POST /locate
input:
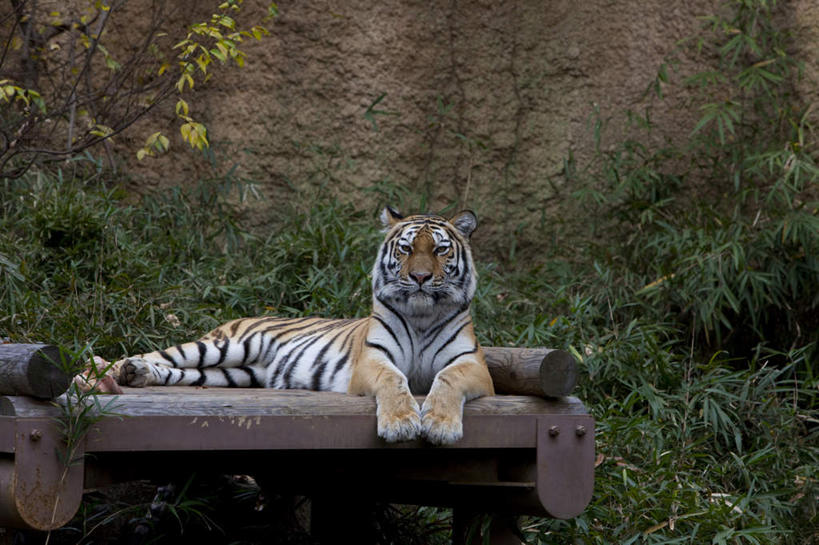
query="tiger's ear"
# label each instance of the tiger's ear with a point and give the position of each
(390, 216)
(465, 222)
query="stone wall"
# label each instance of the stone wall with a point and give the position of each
(483, 100)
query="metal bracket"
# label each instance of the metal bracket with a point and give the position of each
(565, 464)
(36, 489)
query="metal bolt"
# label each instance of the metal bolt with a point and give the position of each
(580, 431)
(35, 435)
(554, 431)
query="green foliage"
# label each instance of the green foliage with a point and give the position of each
(695, 316)
(692, 449)
(80, 264)
(690, 297)
(720, 230)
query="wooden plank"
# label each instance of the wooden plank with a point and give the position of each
(340, 432)
(189, 418)
(197, 401)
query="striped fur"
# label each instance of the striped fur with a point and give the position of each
(419, 339)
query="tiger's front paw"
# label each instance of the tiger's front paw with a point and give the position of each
(399, 419)
(134, 372)
(441, 425)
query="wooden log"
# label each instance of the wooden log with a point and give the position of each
(27, 369)
(531, 371)
(32, 370)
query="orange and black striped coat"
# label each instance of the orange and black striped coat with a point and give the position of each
(418, 339)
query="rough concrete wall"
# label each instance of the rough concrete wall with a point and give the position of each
(485, 99)
(803, 18)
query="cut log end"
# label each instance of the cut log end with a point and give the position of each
(531, 371)
(558, 373)
(32, 370)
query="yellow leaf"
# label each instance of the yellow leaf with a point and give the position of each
(202, 61)
(218, 54)
(101, 130)
(182, 106)
(180, 85)
(195, 134)
(227, 22)
(760, 64)
(656, 527)
(164, 67)
(201, 136)
(656, 283)
(258, 32)
(151, 139)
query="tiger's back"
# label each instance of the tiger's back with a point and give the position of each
(418, 339)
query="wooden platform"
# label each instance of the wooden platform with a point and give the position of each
(519, 454)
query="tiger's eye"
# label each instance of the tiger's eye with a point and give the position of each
(442, 250)
(405, 248)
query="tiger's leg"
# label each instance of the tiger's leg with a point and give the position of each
(138, 372)
(454, 385)
(397, 411)
(181, 364)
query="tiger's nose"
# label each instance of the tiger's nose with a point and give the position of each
(420, 276)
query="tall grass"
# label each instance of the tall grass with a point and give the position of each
(80, 265)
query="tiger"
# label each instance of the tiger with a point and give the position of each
(418, 339)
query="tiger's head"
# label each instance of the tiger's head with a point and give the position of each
(424, 265)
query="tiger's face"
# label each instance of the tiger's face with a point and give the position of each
(425, 264)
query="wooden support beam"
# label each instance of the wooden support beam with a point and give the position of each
(32, 370)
